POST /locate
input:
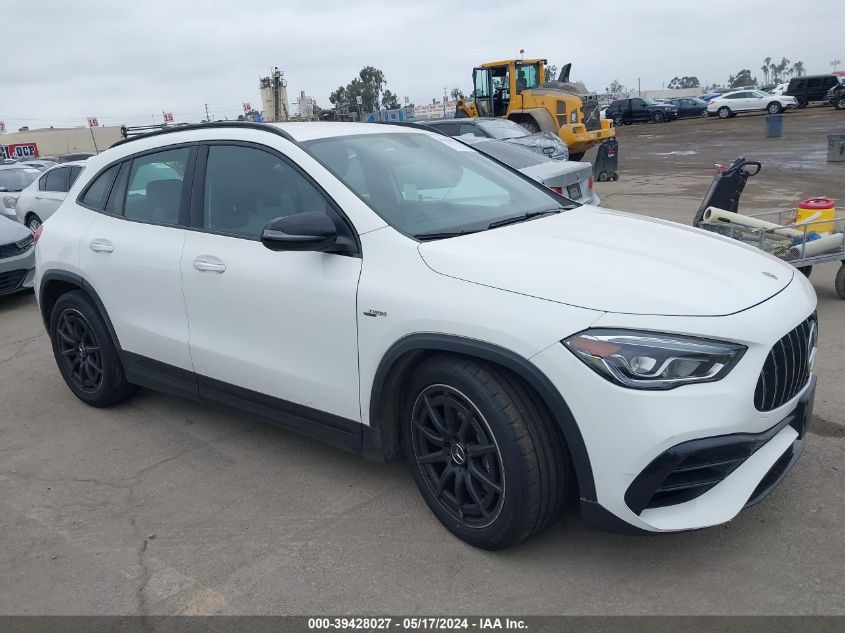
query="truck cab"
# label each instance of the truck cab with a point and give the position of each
(518, 90)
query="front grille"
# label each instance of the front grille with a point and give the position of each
(787, 368)
(11, 280)
(592, 117)
(15, 248)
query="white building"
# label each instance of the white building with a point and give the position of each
(306, 107)
(436, 110)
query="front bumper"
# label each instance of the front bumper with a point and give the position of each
(17, 273)
(578, 139)
(625, 431)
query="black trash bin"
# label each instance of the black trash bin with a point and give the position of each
(727, 187)
(607, 161)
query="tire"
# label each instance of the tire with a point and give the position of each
(617, 120)
(615, 177)
(33, 222)
(839, 103)
(576, 155)
(704, 114)
(603, 177)
(724, 112)
(774, 108)
(802, 102)
(839, 284)
(457, 406)
(806, 270)
(85, 353)
(658, 117)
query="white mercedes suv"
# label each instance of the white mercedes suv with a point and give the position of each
(389, 289)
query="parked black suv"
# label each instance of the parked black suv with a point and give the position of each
(810, 88)
(836, 96)
(638, 109)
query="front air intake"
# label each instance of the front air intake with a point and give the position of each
(787, 368)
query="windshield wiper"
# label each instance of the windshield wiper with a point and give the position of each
(523, 218)
(443, 235)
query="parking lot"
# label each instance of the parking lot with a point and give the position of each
(162, 505)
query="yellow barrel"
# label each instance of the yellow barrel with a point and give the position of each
(820, 211)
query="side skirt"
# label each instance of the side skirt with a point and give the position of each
(325, 427)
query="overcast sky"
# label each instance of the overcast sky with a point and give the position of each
(127, 61)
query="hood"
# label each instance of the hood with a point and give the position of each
(543, 141)
(11, 231)
(614, 262)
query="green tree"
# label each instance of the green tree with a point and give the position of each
(766, 68)
(551, 72)
(367, 85)
(798, 69)
(455, 93)
(684, 82)
(615, 88)
(389, 101)
(779, 70)
(741, 79)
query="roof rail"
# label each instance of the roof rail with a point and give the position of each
(204, 126)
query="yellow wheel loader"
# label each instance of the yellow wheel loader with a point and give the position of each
(517, 89)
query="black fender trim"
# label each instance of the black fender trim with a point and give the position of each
(521, 366)
(597, 517)
(82, 284)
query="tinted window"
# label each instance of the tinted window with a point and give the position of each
(447, 128)
(155, 186)
(246, 187)
(117, 196)
(57, 180)
(813, 83)
(42, 183)
(95, 195)
(74, 174)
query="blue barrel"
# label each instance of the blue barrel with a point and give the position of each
(774, 125)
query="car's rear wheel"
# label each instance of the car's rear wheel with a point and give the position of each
(85, 354)
(658, 117)
(617, 120)
(33, 222)
(724, 112)
(774, 108)
(839, 103)
(802, 102)
(484, 454)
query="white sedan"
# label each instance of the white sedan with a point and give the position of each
(732, 103)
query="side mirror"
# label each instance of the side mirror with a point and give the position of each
(310, 231)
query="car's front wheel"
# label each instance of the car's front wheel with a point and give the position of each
(774, 108)
(658, 117)
(724, 112)
(84, 351)
(485, 455)
(617, 120)
(801, 102)
(839, 103)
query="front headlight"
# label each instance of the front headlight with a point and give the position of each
(650, 360)
(10, 202)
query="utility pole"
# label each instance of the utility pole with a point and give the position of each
(207, 117)
(444, 100)
(639, 88)
(835, 63)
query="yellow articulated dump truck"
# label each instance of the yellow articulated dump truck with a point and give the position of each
(517, 89)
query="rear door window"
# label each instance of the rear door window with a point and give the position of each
(154, 192)
(96, 193)
(57, 180)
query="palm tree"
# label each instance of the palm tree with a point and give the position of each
(798, 68)
(781, 68)
(766, 67)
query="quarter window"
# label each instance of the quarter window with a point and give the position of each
(154, 193)
(247, 187)
(95, 195)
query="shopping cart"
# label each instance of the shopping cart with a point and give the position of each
(802, 244)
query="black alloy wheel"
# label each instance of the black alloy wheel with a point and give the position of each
(458, 456)
(80, 350)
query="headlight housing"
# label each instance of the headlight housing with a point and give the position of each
(651, 360)
(10, 202)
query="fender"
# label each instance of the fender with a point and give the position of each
(521, 366)
(542, 116)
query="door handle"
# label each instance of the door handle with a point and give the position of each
(101, 246)
(210, 265)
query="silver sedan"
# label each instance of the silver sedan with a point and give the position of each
(17, 257)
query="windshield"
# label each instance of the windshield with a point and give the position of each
(17, 179)
(650, 102)
(425, 184)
